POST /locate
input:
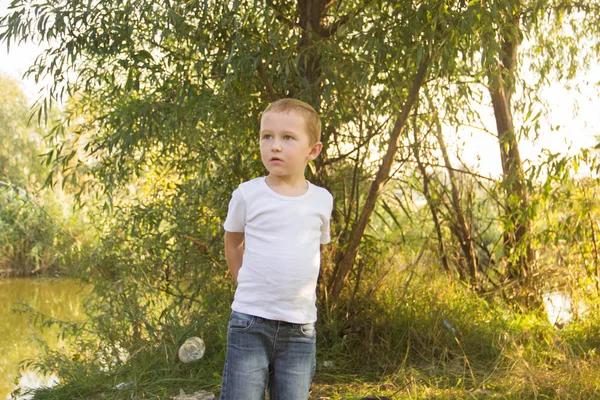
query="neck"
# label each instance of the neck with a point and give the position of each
(287, 186)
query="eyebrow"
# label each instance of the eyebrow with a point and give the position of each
(283, 132)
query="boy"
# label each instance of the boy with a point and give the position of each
(273, 232)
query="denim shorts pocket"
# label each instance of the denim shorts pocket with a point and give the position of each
(308, 330)
(240, 321)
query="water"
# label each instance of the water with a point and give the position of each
(558, 307)
(57, 298)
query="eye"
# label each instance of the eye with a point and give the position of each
(287, 137)
(266, 136)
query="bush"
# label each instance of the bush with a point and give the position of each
(35, 236)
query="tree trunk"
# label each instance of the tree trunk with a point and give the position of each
(517, 224)
(381, 178)
(433, 206)
(311, 14)
(462, 230)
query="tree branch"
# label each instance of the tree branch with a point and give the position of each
(360, 145)
(377, 185)
(262, 72)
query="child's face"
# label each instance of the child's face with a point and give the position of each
(285, 146)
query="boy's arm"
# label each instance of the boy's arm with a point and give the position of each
(234, 252)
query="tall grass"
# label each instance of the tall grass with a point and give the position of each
(440, 341)
(436, 340)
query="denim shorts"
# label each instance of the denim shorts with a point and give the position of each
(268, 355)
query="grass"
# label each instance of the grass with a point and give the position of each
(436, 340)
(443, 342)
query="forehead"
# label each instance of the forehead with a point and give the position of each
(288, 121)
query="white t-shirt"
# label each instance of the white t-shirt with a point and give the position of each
(282, 257)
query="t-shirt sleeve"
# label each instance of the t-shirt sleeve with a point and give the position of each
(325, 228)
(236, 214)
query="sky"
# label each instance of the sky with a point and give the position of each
(573, 113)
(18, 60)
(479, 150)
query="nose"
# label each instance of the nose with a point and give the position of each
(276, 146)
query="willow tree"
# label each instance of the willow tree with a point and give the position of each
(182, 94)
(553, 31)
(514, 48)
(174, 101)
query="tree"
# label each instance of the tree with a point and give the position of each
(20, 142)
(505, 25)
(183, 94)
(37, 235)
(162, 91)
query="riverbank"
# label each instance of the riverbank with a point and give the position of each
(46, 271)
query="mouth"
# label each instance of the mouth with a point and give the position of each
(276, 159)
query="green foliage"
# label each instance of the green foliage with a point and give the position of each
(27, 233)
(20, 142)
(417, 335)
(423, 336)
(157, 279)
(38, 233)
(37, 236)
(182, 94)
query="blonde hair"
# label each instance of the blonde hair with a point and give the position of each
(311, 118)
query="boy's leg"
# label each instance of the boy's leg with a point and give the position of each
(247, 360)
(294, 363)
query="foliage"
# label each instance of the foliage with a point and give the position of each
(156, 282)
(20, 142)
(567, 223)
(182, 94)
(38, 233)
(27, 233)
(185, 91)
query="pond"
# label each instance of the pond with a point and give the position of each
(56, 298)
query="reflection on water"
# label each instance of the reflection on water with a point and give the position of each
(32, 380)
(561, 309)
(57, 298)
(558, 307)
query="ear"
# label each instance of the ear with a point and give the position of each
(315, 151)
